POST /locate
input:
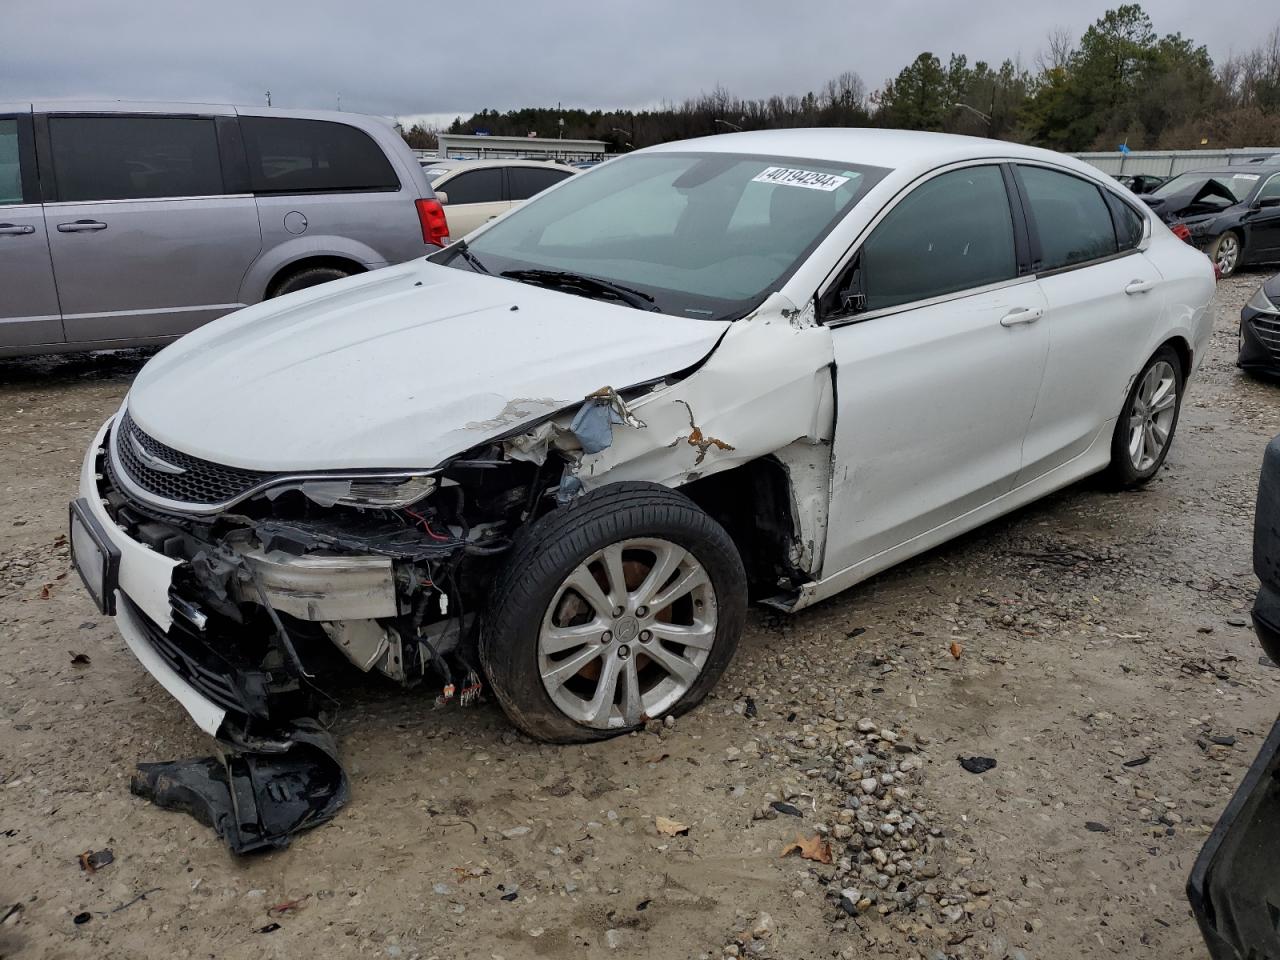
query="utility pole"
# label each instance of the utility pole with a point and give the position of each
(268, 98)
(339, 103)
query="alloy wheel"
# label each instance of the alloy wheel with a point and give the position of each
(627, 633)
(1227, 254)
(1151, 417)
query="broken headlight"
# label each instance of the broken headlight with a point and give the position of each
(1261, 302)
(388, 494)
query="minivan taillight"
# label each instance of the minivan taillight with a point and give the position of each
(435, 227)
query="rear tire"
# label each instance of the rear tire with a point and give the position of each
(653, 568)
(1145, 428)
(310, 277)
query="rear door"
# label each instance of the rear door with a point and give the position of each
(1104, 300)
(475, 197)
(150, 236)
(525, 182)
(29, 313)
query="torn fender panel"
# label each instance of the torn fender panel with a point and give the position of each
(766, 386)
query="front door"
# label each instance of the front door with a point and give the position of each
(937, 366)
(29, 313)
(1264, 223)
(147, 241)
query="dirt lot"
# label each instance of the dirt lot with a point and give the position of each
(1094, 628)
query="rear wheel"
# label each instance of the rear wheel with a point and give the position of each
(621, 608)
(308, 277)
(1226, 252)
(1145, 429)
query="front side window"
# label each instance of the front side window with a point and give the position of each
(10, 170)
(134, 158)
(1071, 218)
(952, 233)
(668, 225)
(474, 186)
(1272, 189)
(313, 156)
(526, 181)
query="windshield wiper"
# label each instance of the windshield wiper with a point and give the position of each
(583, 285)
(462, 250)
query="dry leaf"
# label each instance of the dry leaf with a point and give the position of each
(79, 659)
(815, 848)
(657, 758)
(956, 649)
(673, 828)
(46, 591)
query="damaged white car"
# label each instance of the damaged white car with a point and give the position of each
(555, 462)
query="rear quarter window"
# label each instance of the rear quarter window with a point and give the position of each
(313, 156)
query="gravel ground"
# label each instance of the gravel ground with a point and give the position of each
(1094, 645)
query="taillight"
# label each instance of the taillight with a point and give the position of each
(435, 227)
(1182, 232)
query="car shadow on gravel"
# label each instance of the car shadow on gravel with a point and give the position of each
(67, 369)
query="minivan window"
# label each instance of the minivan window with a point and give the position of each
(10, 172)
(524, 182)
(475, 186)
(313, 156)
(134, 158)
(1071, 217)
(952, 233)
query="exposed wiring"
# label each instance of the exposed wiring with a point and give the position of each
(422, 521)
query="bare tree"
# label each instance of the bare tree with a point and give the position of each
(1059, 46)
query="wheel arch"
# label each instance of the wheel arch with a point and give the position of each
(296, 267)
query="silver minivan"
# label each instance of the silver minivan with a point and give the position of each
(130, 224)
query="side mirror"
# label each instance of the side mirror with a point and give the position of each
(442, 197)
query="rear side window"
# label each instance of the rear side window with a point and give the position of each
(1129, 223)
(134, 158)
(1071, 218)
(10, 172)
(953, 233)
(474, 186)
(313, 156)
(524, 182)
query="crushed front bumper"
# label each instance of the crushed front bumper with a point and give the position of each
(143, 609)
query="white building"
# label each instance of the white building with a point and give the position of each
(471, 146)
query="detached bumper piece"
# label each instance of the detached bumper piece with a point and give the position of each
(254, 800)
(1234, 887)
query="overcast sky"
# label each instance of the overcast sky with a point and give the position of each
(410, 58)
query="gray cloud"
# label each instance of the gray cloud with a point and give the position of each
(409, 58)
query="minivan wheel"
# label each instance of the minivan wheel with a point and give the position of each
(1225, 252)
(1145, 429)
(310, 277)
(623, 607)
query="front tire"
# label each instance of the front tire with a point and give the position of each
(623, 607)
(1144, 431)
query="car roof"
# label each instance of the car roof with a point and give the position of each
(908, 152)
(191, 106)
(453, 165)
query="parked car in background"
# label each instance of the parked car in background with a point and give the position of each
(1260, 330)
(567, 450)
(1140, 182)
(1234, 887)
(130, 224)
(476, 191)
(1232, 214)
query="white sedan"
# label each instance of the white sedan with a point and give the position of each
(556, 461)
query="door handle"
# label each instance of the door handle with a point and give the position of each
(1138, 286)
(1020, 316)
(14, 228)
(81, 226)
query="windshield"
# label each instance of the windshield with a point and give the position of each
(701, 234)
(1236, 184)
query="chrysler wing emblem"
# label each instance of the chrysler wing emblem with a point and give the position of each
(151, 460)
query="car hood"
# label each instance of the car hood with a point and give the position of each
(399, 368)
(1192, 202)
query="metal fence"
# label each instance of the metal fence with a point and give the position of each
(1166, 163)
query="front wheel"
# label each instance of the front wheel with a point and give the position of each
(1226, 253)
(1145, 428)
(623, 607)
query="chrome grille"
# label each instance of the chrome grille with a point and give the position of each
(199, 482)
(1268, 330)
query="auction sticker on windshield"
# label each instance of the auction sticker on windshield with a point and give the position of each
(809, 179)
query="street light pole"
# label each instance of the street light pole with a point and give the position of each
(732, 126)
(977, 113)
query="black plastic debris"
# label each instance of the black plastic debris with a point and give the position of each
(1093, 826)
(94, 860)
(1223, 741)
(1137, 761)
(750, 710)
(82, 918)
(977, 764)
(791, 810)
(510, 896)
(269, 928)
(254, 800)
